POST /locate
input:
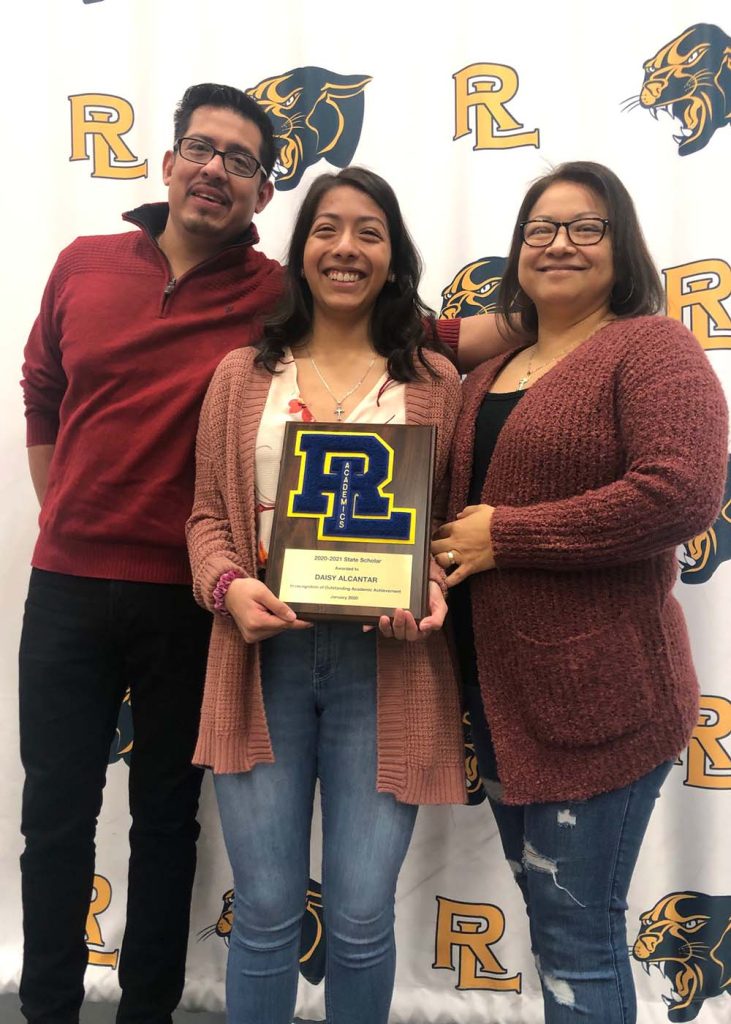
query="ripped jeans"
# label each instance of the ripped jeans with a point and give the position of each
(573, 862)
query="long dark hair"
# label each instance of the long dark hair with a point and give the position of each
(401, 324)
(637, 289)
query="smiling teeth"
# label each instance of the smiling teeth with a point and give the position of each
(341, 275)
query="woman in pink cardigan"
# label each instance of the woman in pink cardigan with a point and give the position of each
(374, 715)
(580, 462)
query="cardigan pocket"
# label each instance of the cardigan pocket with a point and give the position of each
(585, 690)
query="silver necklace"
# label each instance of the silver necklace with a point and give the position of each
(339, 410)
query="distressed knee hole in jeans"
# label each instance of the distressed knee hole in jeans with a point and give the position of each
(559, 989)
(535, 861)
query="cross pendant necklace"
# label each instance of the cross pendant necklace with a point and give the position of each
(339, 411)
(534, 369)
(531, 369)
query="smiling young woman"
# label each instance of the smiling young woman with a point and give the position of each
(286, 703)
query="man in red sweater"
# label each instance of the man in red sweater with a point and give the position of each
(130, 330)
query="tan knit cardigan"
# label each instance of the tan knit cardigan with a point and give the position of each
(420, 747)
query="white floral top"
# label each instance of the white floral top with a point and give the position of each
(384, 403)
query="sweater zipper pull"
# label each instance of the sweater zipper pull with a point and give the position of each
(166, 293)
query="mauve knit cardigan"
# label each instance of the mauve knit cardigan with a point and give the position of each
(420, 745)
(607, 463)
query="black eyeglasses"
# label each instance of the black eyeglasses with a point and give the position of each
(581, 231)
(235, 161)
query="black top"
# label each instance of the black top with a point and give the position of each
(491, 418)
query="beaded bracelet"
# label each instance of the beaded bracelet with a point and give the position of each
(221, 589)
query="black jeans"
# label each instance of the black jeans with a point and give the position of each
(84, 641)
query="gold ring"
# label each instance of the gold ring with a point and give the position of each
(450, 556)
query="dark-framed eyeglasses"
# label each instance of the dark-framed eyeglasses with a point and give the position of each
(581, 230)
(235, 161)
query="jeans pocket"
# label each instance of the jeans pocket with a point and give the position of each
(587, 689)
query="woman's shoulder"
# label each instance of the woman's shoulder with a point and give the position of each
(237, 364)
(653, 341)
(650, 331)
(441, 365)
(659, 359)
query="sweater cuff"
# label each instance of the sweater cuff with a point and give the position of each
(506, 536)
(448, 331)
(40, 429)
(207, 577)
(438, 576)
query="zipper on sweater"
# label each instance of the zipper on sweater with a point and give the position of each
(166, 293)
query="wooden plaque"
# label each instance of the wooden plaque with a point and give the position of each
(352, 523)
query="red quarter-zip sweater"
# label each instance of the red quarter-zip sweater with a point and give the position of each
(115, 371)
(116, 367)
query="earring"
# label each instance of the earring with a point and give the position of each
(391, 278)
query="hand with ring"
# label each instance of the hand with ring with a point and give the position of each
(464, 546)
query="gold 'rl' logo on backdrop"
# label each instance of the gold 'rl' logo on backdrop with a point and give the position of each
(101, 898)
(487, 89)
(470, 930)
(696, 293)
(104, 120)
(708, 764)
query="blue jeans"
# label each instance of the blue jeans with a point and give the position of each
(573, 861)
(320, 698)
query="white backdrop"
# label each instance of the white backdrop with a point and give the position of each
(461, 106)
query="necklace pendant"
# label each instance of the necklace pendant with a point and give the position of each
(339, 411)
(522, 383)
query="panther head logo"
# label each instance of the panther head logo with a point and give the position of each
(316, 115)
(687, 937)
(475, 790)
(222, 927)
(312, 937)
(121, 748)
(475, 288)
(312, 934)
(690, 78)
(702, 555)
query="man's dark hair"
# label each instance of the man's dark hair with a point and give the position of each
(637, 288)
(208, 94)
(401, 325)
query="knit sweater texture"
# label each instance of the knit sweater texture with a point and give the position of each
(420, 746)
(116, 367)
(608, 462)
(115, 371)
